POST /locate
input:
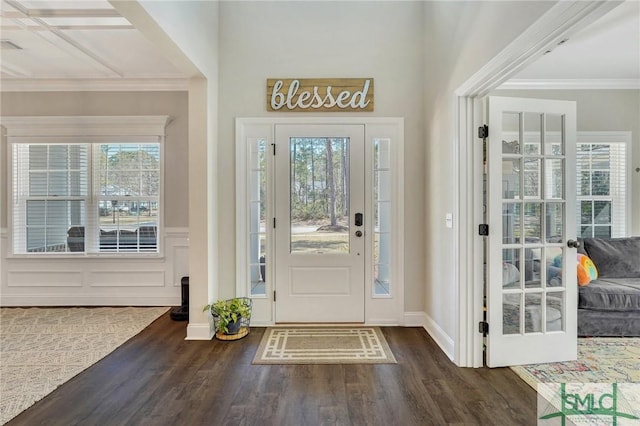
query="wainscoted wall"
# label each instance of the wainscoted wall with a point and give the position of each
(89, 281)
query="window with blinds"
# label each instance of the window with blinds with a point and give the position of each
(86, 198)
(602, 185)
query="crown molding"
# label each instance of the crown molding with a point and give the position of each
(94, 85)
(571, 84)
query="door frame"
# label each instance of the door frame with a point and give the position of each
(560, 21)
(379, 310)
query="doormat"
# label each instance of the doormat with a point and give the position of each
(324, 345)
(600, 360)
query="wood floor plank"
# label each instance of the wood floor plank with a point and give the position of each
(157, 378)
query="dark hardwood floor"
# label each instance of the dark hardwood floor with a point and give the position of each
(158, 378)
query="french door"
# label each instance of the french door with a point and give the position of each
(319, 223)
(531, 254)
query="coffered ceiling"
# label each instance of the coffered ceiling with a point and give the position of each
(77, 40)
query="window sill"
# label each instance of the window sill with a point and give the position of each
(89, 257)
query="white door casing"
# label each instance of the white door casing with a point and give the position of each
(532, 290)
(320, 269)
(383, 164)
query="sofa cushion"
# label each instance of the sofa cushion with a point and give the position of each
(616, 257)
(611, 294)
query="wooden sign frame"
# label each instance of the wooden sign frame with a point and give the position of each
(320, 94)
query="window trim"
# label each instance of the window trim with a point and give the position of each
(614, 137)
(83, 129)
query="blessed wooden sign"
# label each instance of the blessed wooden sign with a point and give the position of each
(322, 94)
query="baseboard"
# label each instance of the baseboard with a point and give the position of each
(442, 339)
(199, 332)
(65, 300)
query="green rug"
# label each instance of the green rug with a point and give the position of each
(600, 360)
(323, 345)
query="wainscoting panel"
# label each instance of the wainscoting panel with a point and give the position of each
(44, 279)
(126, 278)
(86, 280)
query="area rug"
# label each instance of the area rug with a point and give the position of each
(324, 345)
(600, 360)
(41, 348)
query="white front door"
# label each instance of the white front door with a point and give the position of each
(319, 223)
(532, 290)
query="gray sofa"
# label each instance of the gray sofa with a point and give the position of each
(610, 305)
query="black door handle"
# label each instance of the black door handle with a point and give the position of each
(358, 219)
(573, 244)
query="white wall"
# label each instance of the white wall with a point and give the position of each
(260, 40)
(460, 38)
(601, 110)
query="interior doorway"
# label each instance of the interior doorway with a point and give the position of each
(562, 20)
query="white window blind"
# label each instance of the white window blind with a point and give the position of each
(602, 185)
(50, 187)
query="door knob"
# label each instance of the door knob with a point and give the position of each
(573, 244)
(358, 233)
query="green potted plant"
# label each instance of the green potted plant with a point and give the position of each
(231, 317)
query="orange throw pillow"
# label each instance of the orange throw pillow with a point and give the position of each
(586, 270)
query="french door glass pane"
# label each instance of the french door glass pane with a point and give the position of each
(533, 222)
(554, 139)
(510, 270)
(533, 312)
(533, 133)
(511, 231)
(511, 178)
(553, 260)
(555, 308)
(554, 178)
(319, 195)
(554, 222)
(511, 313)
(511, 133)
(532, 178)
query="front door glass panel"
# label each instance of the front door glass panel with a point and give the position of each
(319, 195)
